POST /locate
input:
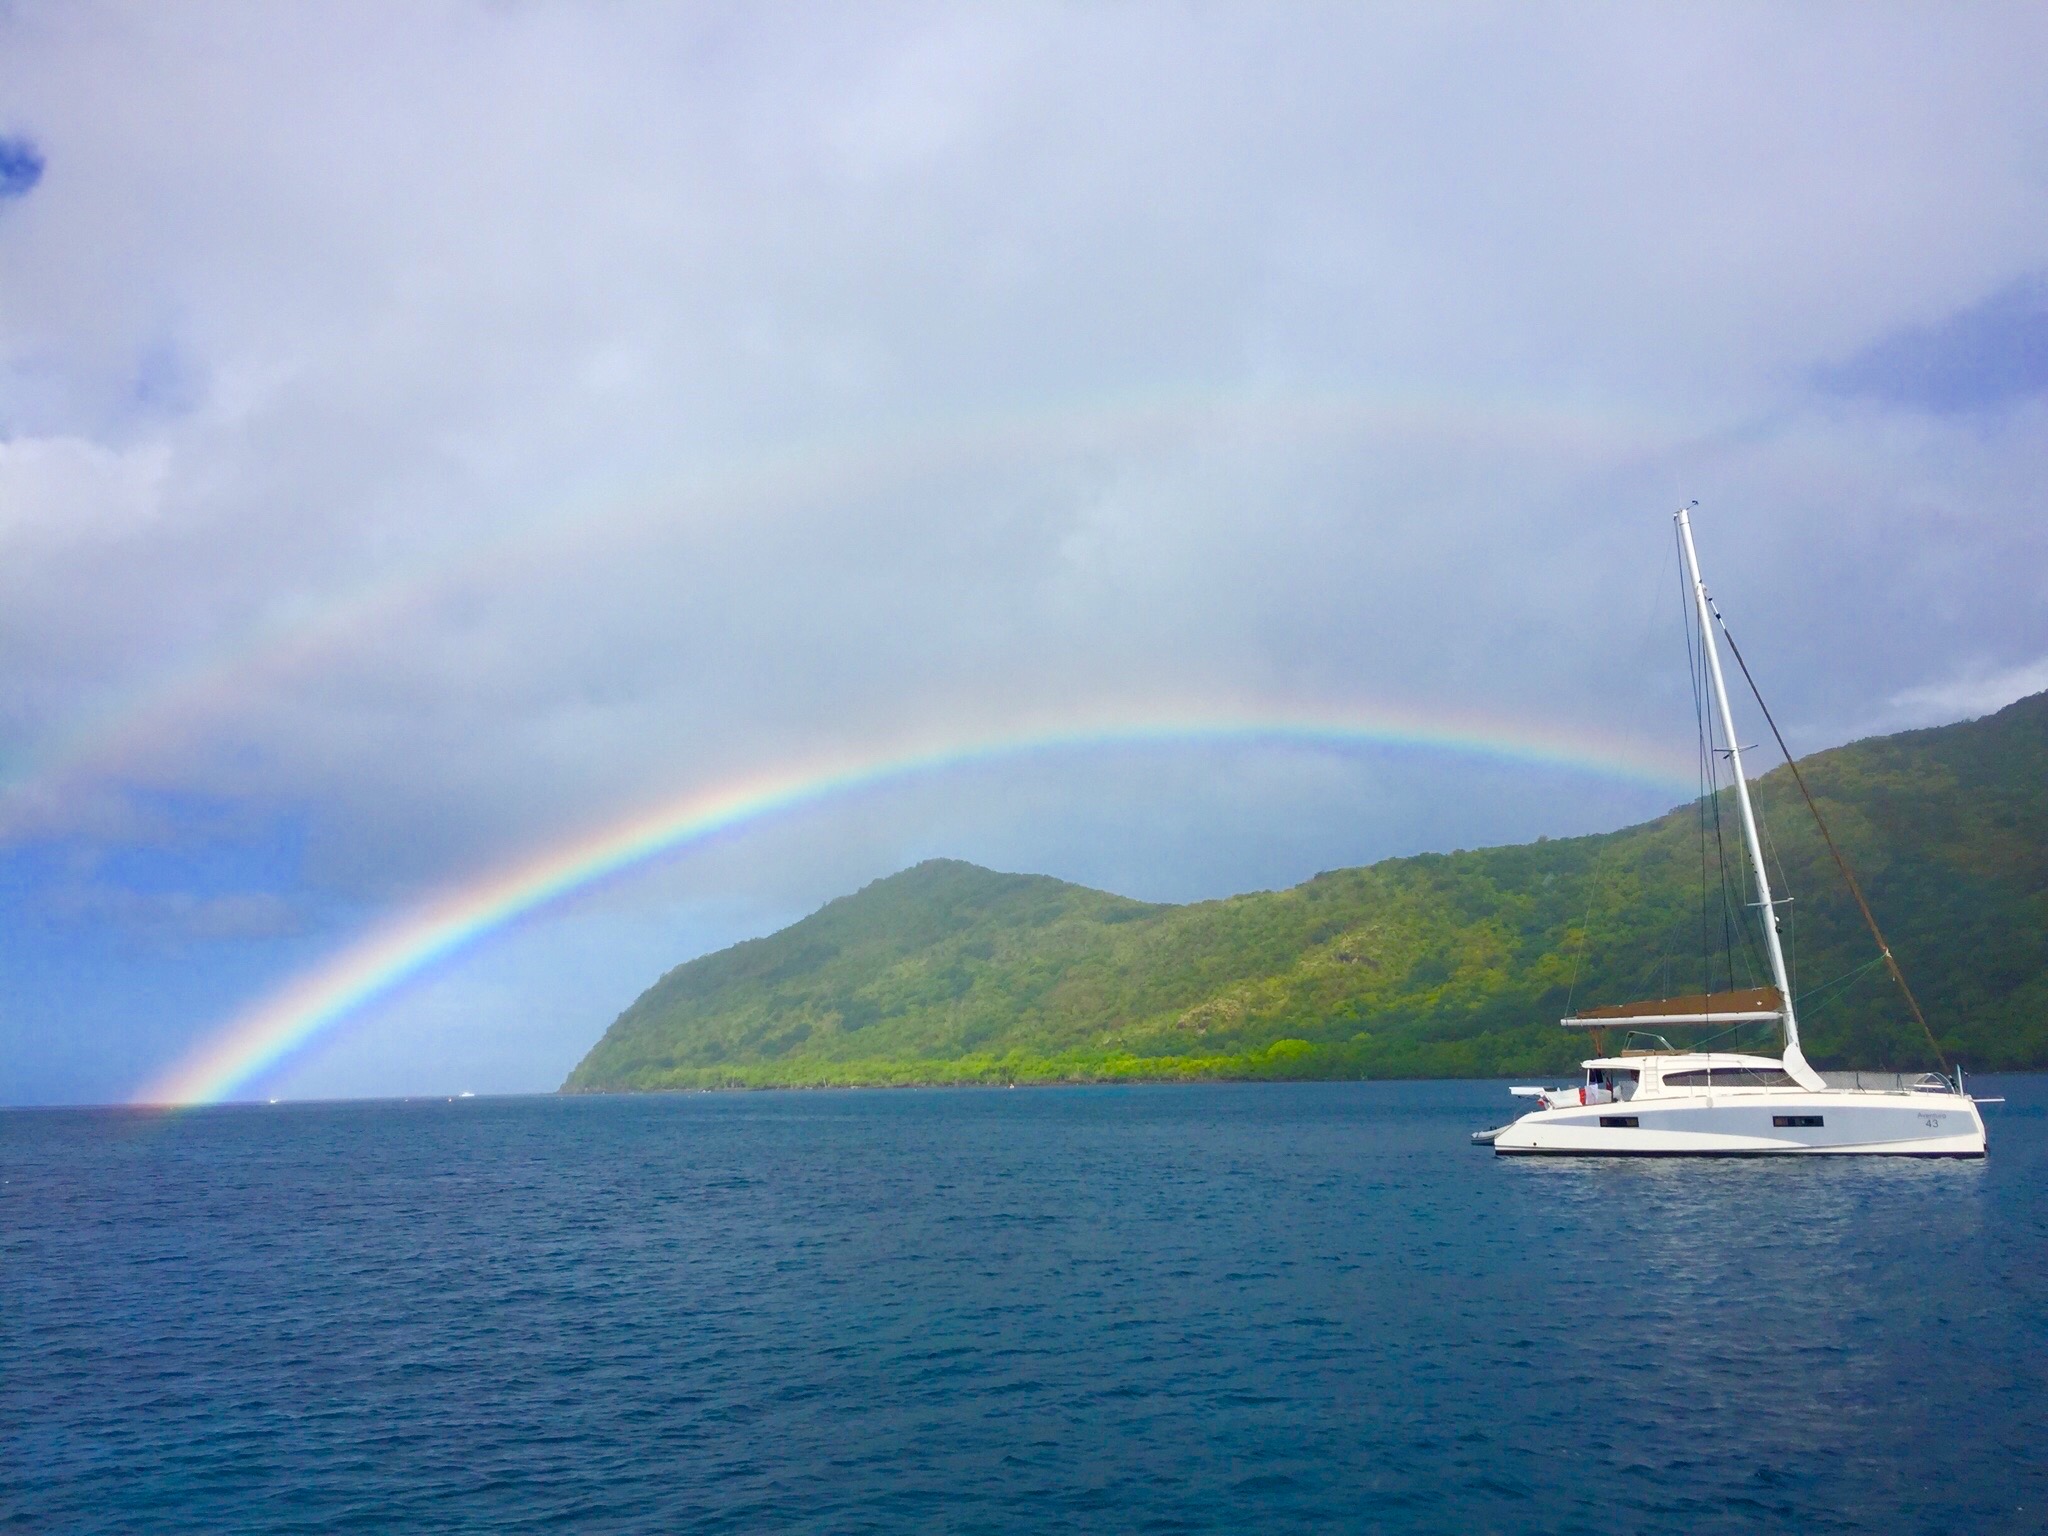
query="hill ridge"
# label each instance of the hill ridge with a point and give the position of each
(1438, 964)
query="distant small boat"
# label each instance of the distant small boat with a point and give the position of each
(1656, 1101)
(465, 1094)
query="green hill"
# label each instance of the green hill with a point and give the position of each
(1440, 965)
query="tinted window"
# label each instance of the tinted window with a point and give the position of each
(1729, 1077)
(1798, 1120)
(1620, 1121)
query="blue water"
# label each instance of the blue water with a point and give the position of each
(1233, 1308)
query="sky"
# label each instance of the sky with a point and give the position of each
(433, 434)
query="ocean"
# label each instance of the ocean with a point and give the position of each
(1229, 1308)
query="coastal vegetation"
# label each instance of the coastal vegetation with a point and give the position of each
(1441, 965)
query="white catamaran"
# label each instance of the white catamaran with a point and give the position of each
(1657, 1101)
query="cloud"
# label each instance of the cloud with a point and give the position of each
(447, 428)
(176, 916)
(1972, 695)
(63, 489)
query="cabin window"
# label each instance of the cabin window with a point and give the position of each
(1798, 1120)
(1729, 1077)
(1619, 1122)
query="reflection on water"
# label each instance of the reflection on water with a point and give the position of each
(1305, 1307)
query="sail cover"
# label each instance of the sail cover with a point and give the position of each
(1751, 1005)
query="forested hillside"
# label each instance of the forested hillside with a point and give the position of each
(1441, 965)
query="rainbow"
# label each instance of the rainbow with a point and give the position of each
(275, 1028)
(135, 725)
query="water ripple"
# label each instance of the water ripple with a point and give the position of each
(1182, 1309)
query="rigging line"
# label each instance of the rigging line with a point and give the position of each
(1840, 981)
(1719, 1034)
(1731, 900)
(1698, 728)
(1732, 921)
(1602, 861)
(1694, 663)
(1884, 950)
(1712, 769)
(1772, 852)
(1707, 731)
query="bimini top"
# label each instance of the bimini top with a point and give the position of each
(1753, 1005)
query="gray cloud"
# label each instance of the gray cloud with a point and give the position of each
(453, 426)
(1975, 693)
(176, 917)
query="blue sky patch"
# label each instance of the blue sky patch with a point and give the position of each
(1987, 355)
(21, 167)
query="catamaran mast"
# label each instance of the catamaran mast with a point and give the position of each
(1795, 1059)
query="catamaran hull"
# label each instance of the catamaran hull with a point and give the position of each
(1660, 1102)
(1762, 1125)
